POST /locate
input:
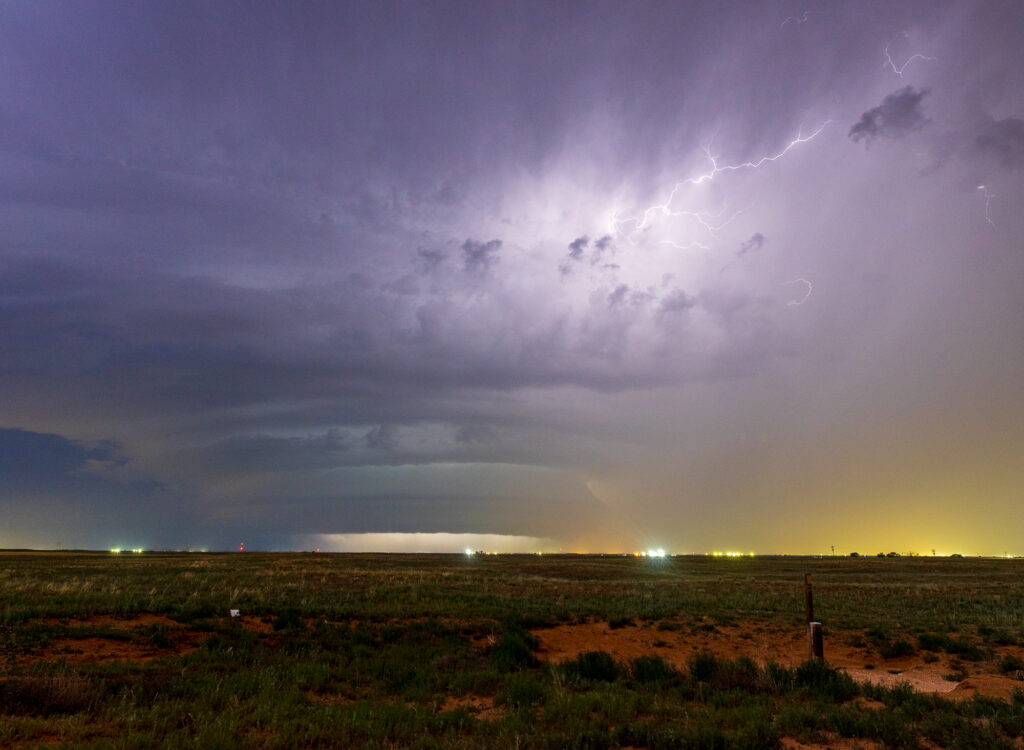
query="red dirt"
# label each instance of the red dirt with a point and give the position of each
(834, 743)
(96, 649)
(481, 708)
(111, 621)
(760, 642)
(764, 643)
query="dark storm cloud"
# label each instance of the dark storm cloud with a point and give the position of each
(601, 246)
(577, 246)
(677, 301)
(382, 438)
(474, 433)
(31, 458)
(191, 344)
(478, 257)
(897, 116)
(66, 486)
(431, 259)
(1002, 141)
(756, 242)
(618, 295)
(257, 245)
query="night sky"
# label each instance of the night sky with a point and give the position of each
(513, 276)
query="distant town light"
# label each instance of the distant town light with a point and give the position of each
(469, 552)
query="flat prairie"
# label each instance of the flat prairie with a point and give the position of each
(465, 651)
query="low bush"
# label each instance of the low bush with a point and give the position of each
(514, 649)
(704, 666)
(896, 649)
(592, 666)
(1011, 665)
(522, 690)
(931, 642)
(652, 669)
(288, 619)
(818, 678)
(43, 695)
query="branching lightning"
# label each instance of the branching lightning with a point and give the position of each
(798, 302)
(898, 70)
(706, 220)
(802, 18)
(988, 200)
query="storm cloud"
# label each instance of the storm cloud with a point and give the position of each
(324, 271)
(899, 114)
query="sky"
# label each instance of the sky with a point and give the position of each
(525, 276)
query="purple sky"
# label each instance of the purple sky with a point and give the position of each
(590, 276)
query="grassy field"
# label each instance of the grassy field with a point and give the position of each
(138, 650)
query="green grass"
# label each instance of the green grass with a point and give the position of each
(383, 651)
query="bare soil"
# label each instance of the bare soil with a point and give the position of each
(97, 649)
(677, 645)
(765, 643)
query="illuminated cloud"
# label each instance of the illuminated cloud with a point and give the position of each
(629, 289)
(496, 543)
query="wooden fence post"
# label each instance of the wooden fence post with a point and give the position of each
(815, 642)
(808, 598)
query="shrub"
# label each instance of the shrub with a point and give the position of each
(958, 673)
(1011, 664)
(1002, 638)
(42, 695)
(514, 649)
(821, 679)
(614, 623)
(522, 691)
(965, 649)
(896, 649)
(593, 666)
(931, 642)
(651, 669)
(778, 679)
(704, 666)
(288, 619)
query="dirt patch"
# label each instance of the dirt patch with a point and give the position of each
(996, 686)
(482, 708)
(113, 621)
(834, 743)
(124, 644)
(43, 738)
(764, 643)
(98, 651)
(330, 698)
(254, 623)
(676, 646)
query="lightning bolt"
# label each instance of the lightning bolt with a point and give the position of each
(988, 200)
(665, 208)
(899, 70)
(798, 302)
(797, 19)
